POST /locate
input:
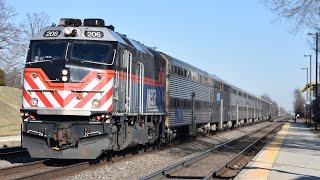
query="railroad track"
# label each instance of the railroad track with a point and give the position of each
(49, 169)
(10, 152)
(222, 161)
(46, 169)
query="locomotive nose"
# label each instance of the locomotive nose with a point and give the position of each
(83, 90)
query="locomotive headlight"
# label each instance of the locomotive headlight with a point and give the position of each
(95, 102)
(74, 32)
(66, 32)
(64, 78)
(34, 102)
(71, 32)
(64, 72)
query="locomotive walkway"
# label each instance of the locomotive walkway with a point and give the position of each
(293, 154)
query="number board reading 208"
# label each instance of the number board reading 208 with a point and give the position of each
(93, 34)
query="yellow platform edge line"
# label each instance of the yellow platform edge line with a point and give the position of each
(260, 169)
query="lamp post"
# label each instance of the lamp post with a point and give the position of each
(306, 93)
(316, 102)
(310, 84)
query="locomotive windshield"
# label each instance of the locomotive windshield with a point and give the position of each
(90, 52)
(48, 51)
(81, 51)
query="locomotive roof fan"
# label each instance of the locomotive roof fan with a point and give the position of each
(70, 22)
(94, 22)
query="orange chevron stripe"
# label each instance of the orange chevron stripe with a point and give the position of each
(67, 86)
(42, 97)
(108, 74)
(85, 100)
(105, 98)
(27, 97)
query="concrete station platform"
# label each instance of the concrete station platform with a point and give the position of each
(10, 141)
(294, 153)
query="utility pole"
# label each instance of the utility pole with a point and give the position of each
(316, 104)
(310, 105)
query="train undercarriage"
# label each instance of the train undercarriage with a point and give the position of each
(72, 137)
(69, 138)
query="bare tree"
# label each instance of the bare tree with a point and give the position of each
(275, 106)
(301, 13)
(11, 49)
(32, 24)
(298, 104)
(9, 38)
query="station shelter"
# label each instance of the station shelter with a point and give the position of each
(311, 98)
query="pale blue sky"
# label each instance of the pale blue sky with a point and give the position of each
(239, 41)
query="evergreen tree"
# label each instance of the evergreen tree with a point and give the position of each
(2, 78)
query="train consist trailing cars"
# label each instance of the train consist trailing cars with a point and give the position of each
(88, 90)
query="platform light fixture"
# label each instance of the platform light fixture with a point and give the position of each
(306, 91)
(310, 84)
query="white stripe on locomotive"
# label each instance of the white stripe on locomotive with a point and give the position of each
(89, 87)
(48, 95)
(33, 94)
(106, 89)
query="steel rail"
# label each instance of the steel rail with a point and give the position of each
(12, 151)
(57, 172)
(44, 171)
(19, 168)
(170, 169)
(221, 170)
(54, 172)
